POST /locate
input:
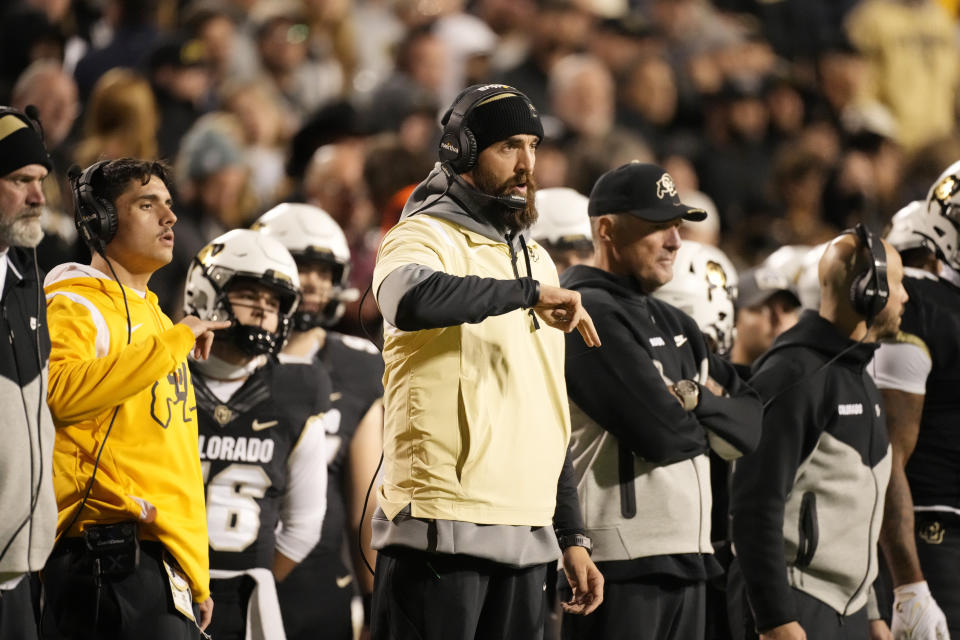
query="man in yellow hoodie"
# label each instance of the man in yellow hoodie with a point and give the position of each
(131, 557)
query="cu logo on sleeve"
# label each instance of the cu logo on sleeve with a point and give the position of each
(169, 397)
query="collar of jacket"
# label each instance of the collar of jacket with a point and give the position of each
(816, 332)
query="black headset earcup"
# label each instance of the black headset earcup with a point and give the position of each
(468, 151)
(108, 220)
(859, 298)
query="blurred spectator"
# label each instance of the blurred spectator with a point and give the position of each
(333, 35)
(265, 134)
(785, 103)
(133, 30)
(470, 44)
(334, 181)
(389, 167)
(53, 92)
(582, 99)
(798, 180)
(864, 185)
(619, 42)
(648, 100)
(45, 85)
(561, 27)
(230, 55)
(421, 71)
(283, 39)
(121, 119)
(912, 50)
(181, 85)
(735, 165)
(215, 195)
(26, 35)
(510, 20)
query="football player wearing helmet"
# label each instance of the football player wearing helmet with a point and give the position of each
(262, 444)
(354, 426)
(918, 373)
(563, 227)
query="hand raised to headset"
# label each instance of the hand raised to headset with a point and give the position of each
(203, 334)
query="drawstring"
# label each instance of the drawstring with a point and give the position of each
(526, 259)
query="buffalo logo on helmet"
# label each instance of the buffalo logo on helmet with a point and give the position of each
(946, 189)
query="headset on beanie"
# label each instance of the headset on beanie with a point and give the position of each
(458, 145)
(458, 150)
(95, 217)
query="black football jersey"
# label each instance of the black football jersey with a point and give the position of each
(356, 373)
(932, 314)
(245, 444)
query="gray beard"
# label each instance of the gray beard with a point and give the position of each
(21, 232)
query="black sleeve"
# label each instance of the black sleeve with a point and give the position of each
(761, 483)
(443, 300)
(619, 387)
(735, 418)
(567, 518)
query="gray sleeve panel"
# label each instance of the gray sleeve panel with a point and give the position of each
(397, 283)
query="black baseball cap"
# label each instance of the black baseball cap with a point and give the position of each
(642, 190)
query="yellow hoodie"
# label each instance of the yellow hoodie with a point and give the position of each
(151, 454)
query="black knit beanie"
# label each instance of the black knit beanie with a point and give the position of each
(20, 144)
(502, 116)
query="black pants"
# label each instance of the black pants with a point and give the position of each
(938, 547)
(641, 610)
(137, 606)
(18, 612)
(431, 596)
(316, 595)
(231, 599)
(819, 620)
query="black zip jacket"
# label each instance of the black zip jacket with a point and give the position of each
(621, 385)
(645, 491)
(807, 504)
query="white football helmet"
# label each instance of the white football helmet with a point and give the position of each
(704, 286)
(939, 224)
(310, 234)
(562, 221)
(242, 254)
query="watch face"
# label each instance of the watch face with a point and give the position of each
(687, 387)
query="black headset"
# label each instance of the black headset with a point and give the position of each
(870, 291)
(95, 217)
(458, 145)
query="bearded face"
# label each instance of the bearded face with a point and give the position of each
(520, 183)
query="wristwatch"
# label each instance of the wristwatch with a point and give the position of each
(689, 393)
(575, 540)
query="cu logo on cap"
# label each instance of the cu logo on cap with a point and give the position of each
(665, 186)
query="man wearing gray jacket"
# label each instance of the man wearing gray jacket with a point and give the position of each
(29, 511)
(808, 504)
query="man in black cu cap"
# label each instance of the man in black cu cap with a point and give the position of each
(645, 409)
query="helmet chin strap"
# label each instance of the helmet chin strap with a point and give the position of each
(220, 369)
